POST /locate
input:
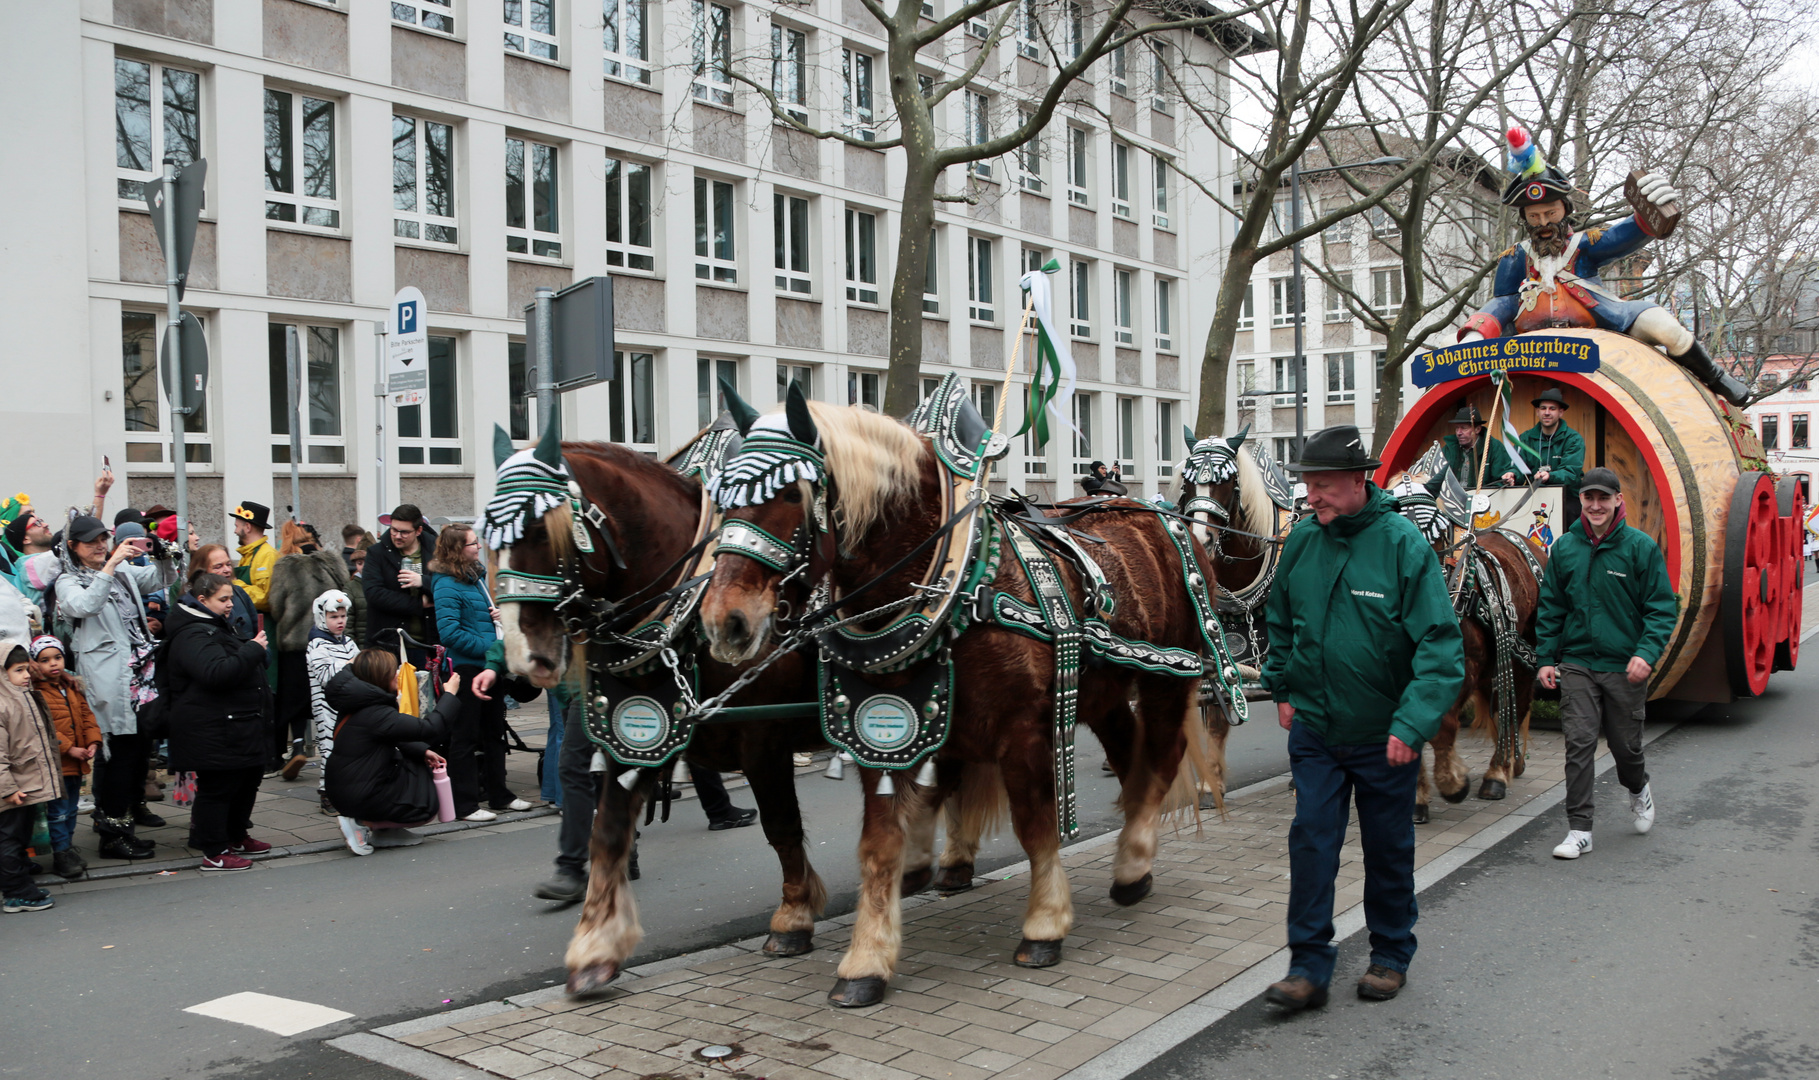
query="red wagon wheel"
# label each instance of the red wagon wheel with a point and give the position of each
(1792, 505)
(1751, 609)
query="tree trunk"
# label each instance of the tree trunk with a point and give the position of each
(1216, 359)
(902, 382)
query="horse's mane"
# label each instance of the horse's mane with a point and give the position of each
(875, 460)
(1254, 512)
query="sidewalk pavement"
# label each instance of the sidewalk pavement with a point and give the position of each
(1132, 981)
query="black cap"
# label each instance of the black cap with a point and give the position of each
(1551, 394)
(128, 514)
(1468, 414)
(1336, 449)
(85, 529)
(1601, 479)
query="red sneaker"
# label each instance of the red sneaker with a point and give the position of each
(227, 860)
(246, 845)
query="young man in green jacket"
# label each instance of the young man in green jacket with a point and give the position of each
(1607, 611)
(1555, 451)
(1365, 657)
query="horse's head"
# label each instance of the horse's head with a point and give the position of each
(1210, 470)
(1434, 513)
(528, 524)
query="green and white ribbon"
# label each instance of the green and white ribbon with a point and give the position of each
(1052, 386)
(1512, 440)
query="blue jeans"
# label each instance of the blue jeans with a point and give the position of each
(1326, 778)
(62, 814)
(551, 790)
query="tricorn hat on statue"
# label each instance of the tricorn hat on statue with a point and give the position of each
(1551, 395)
(1535, 181)
(1468, 414)
(1336, 449)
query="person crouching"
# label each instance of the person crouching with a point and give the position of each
(379, 777)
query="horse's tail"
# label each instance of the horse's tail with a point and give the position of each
(1202, 770)
(981, 806)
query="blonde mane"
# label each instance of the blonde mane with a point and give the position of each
(875, 460)
(1254, 512)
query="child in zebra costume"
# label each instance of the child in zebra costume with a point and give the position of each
(329, 650)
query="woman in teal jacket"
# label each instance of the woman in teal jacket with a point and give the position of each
(465, 621)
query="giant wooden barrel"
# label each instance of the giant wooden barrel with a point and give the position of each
(1695, 480)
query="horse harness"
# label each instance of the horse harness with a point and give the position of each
(1212, 461)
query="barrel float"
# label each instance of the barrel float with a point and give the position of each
(1695, 479)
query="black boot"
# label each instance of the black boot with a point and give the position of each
(122, 847)
(70, 866)
(142, 815)
(1699, 363)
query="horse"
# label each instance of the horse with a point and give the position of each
(643, 517)
(861, 514)
(1245, 504)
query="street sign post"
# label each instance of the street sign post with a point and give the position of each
(574, 328)
(175, 200)
(178, 191)
(407, 350)
(183, 364)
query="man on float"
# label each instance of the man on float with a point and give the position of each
(1551, 279)
(1466, 449)
(1555, 452)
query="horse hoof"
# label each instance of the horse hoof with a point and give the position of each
(1038, 954)
(856, 993)
(1492, 790)
(1126, 895)
(1465, 788)
(1421, 813)
(957, 878)
(1521, 767)
(789, 942)
(917, 880)
(593, 978)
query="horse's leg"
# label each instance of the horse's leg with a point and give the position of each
(1525, 702)
(1028, 770)
(1423, 789)
(971, 801)
(1450, 776)
(609, 929)
(919, 836)
(1162, 735)
(1495, 784)
(765, 757)
(877, 927)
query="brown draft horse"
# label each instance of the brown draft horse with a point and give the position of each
(652, 511)
(883, 496)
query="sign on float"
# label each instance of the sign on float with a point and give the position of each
(1522, 352)
(407, 348)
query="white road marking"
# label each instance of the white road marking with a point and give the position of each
(282, 1016)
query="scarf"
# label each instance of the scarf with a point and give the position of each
(1616, 523)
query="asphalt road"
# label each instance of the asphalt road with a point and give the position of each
(1691, 952)
(96, 987)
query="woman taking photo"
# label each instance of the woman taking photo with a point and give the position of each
(219, 727)
(379, 775)
(465, 620)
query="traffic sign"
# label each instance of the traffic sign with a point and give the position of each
(407, 348)
(581, 322)
(188, 207)
(190, 386)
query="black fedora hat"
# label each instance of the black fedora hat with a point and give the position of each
(1336, 449)
(1551, 394)
(1468, 414)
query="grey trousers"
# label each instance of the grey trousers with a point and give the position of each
(1592, 702)
(580, 793)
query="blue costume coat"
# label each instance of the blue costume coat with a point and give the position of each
(1593, 250)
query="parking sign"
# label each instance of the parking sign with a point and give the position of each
(407, 348)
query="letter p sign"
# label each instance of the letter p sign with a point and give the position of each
(407, 317)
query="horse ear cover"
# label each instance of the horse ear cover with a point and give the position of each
(549, 448)
(1188, 434)
(1238, 440)
(801, 424)
(743, 413)
(502, 446)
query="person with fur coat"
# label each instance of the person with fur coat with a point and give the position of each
(305, 570)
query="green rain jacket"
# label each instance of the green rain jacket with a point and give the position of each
(1562, 454)
(1602, 604)
(1465, 463)
(1363, 640)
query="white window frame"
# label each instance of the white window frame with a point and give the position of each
(426, 448)
(1386, 290)
(709, 370)
(1280, 301)
(633, 391)
(977, 27)
(1079, 166)
(129, 183)
(418, 224)
(1161, 98)
(1245, 372)
(1029, 157)
(1161, 181)
(1379, 357)
(981, 291)
(790, 372)
(1085, 404)
(1283, 368)
(625, 254)
(1124, 435)
(198, 443)
(1121, 180)
(529, 239)
(1033, 260)
(316, 447)
(1120, 70)
(711, 30)
(1080, 298)
(430, 16)
(862, 251)
(1381, 223)
(793, 244)
(1165, 315)
(325, 210)
(1029, 30)
(524, 39)
(985, 398)
(1165, 437)
(1336, 309)
(858, 93)
(1124, 317)
(789, 73)
(932, 274)
(976, 121)
(1075, 29)
(714, 260)
(1341, 377)
(865, 388)
(1247, 309)
(625, 40)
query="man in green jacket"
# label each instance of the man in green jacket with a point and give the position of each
(1365, 657)
(1466, 447)
(1556, 452)
(1607, 611)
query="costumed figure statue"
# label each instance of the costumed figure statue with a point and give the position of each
(1551, 278)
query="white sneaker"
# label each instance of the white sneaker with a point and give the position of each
(518, 804)
(359, 837)
(1642, 805)
(1576, 844)
(482, 814)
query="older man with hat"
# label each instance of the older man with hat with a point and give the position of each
(1466, 449)
(1556, 452)
(257, 556)
(1607, 610)
(1365, 657)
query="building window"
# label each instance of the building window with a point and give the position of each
(1076, 30)
(300, 160)
(979, 28)
(532, 222)
(1165, 315)
(1029, 31)
(157, 114)
(1283, 308)
(978, 123)
(865, 388)
(518, 389)
(1286, 379)
(710, 401)
(711, 39)
(1165, 438)
(1160, 183)
(1247, 310)
(931, 276)
(142, 394)
(1386, 290)
(423, 180)
(1029, 156)
(802, 375)
(1127, 435)
(856, 94)
(625, 38)
(1123, 319)
(1340, 378)
(716, 253)
(1080, 305)
(319, 393)
(440, 444)
(979, 280)
(437, 15)
(1161, 82)
(1247, 383)
(985, 399)
(1121, 180)
(1381, 222)
(1083, 423)
(789, 70)
(861, 256)
(632, 395)
(1121, 77)
(1078, 166)
(530, 28)
(1378, 359)
(1796, 432)
(1771, 433)
(629, 243)
(1339, 232)
(1033, 261)
(1336, 308)
(1283, 449)
(789, 227)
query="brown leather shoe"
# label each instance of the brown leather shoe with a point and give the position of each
(1295, 993)
(1381, 983)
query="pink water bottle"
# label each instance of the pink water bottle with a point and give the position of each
(445, 794)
